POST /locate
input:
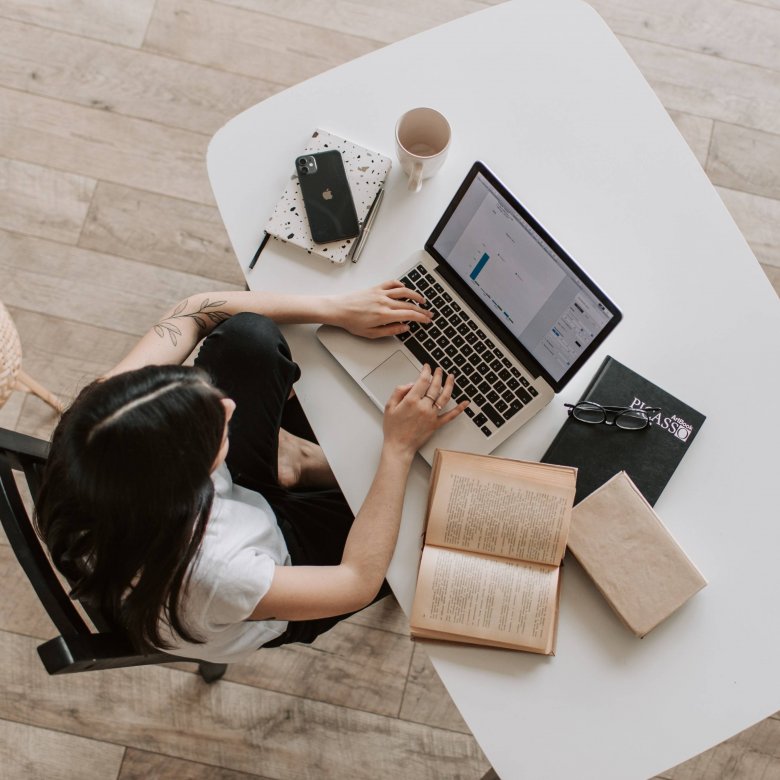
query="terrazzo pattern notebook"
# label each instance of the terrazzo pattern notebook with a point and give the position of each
(366, 172)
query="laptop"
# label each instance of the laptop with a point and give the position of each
(515, 318)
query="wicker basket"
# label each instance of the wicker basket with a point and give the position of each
(11, 375)
(10, 355)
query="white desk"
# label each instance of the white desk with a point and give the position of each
(544, 94)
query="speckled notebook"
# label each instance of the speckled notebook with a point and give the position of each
(366, 173)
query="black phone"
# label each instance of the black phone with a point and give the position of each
(327, 196)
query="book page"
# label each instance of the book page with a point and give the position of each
(508, 602)
(501, 507)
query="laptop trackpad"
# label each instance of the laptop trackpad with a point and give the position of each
(396, 370)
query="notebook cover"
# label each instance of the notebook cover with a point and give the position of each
(630, 555)
(366, 172)
(649, 456)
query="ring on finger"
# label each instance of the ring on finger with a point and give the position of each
(434, 402)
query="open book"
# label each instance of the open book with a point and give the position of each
(495, 537)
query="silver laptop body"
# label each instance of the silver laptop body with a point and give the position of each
(515, 318)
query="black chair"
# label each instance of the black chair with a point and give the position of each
(79, 648)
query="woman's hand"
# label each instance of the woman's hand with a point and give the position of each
(414, 412)
(378, 311)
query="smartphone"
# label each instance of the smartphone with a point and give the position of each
(327, 196)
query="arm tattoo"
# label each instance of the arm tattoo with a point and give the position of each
(207, 310)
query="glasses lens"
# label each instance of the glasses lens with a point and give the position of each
(631, 420)
(589, 413)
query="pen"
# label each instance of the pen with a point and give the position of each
(370, 217)
(259, 249)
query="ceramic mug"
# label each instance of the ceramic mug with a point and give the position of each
(422, 139)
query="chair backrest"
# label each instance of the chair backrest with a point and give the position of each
(78, 648)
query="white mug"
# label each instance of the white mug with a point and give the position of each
(422, 139)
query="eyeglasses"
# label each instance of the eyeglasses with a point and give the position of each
(619, 416)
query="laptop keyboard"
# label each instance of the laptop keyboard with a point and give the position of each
(484, 375)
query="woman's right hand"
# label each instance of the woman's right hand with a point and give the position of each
(382, 310)
(414, 411)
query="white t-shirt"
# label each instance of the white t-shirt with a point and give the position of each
(241, 547)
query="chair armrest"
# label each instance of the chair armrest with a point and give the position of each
(13, 444)
(65, 655)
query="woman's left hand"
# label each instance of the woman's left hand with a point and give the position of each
(379, 311)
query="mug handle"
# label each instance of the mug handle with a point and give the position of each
(415, 178)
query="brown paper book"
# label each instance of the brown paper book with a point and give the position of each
(630, 555)
(495, 537)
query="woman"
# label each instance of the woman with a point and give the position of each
(208, 545)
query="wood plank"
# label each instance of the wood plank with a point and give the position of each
(385, 614)
(773, 274)
(753, 753)
(380, 20)
(435, 11)
(252, 44)
(727, 29)
(708, 86)
(227, 724)
(74, 284)
(64, 355)
(36, 418)
(745, 159)
(101, 145)
(141, 765)
(122, 23)
(697, 131)
(426, 699)
(41, 201)
(20, 610)
(37, 754)
(123, 81)
(759, 220)
(159, 230)
(351, 666)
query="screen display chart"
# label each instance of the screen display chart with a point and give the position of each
(511, 269)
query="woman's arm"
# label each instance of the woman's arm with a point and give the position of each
(377, 311)
(310, 592)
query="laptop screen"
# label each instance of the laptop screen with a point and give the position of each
(522, 277)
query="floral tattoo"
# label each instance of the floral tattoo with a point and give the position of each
(207, 310)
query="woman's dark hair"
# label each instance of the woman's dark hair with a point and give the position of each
(127, 492)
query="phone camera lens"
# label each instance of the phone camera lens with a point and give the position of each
(306, 165)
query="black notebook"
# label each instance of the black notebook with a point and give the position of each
(649, 456)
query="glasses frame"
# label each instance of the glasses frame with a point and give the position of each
(616, 412)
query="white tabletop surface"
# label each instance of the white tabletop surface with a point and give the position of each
(543, 93)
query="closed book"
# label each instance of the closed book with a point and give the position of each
(649, 456)
(630, 555)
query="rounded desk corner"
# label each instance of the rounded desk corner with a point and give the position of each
(228, 131)
(216, 140)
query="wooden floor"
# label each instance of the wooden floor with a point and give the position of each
(106, 217)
